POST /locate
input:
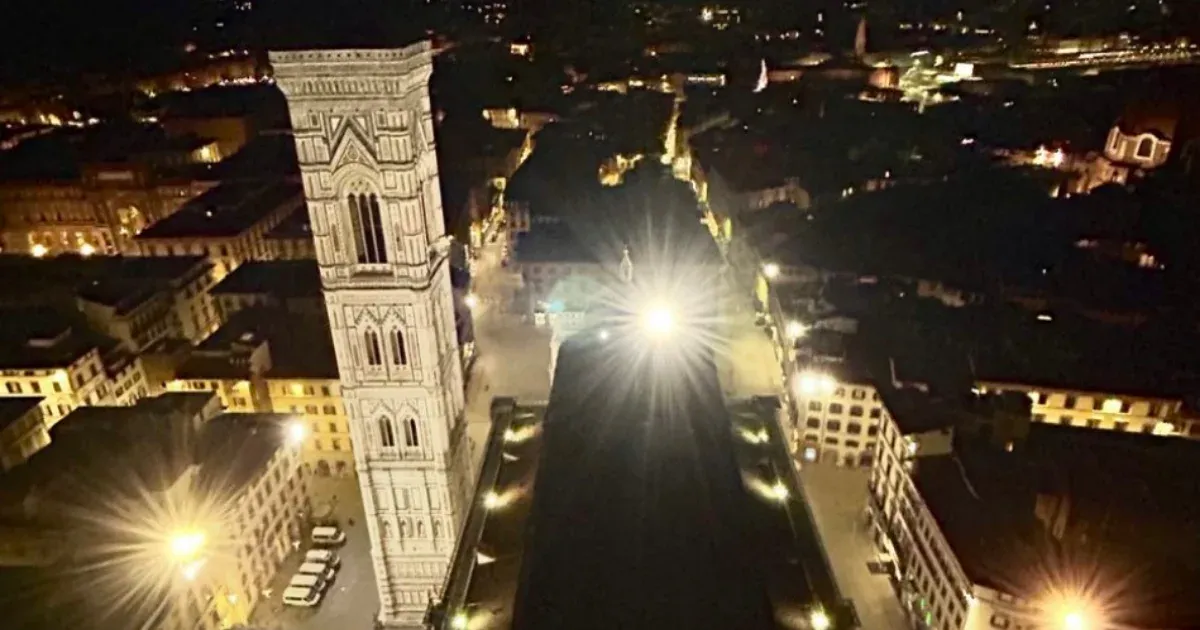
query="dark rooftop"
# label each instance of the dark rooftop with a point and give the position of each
(14, 408)
(298, 224)
(621, 464)
(300, 346)
(43, 338)
(1128, 504)
(131, 281)
(282, 278)
(235, 449)
(227, 210)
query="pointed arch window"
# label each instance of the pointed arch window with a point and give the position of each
(387, 434)
(373, 349)
(399, 349)
(412, 438)
(368, 228)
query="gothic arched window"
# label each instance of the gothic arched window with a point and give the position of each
(368, 228)
(387, 435)
(399, 350)
(372, 348)
(411, 438)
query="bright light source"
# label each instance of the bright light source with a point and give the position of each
(296, 433)
(811, 383)
(185, 545)
(779, 491)
(492, 501)
(1074, 620)
(795, 330)
(39, 250)
(603, 335)
(771, 271)
(819, 620)
(659, 321)
(86, 250)
(192, 569)
(459, 621)
(471, 300)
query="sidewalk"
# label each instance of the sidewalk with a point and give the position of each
(837, 499)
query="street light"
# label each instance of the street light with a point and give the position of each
(771, 270)
(296, 432)
(471, 300)
(459, 621)
(811, 382)
(186, 544)
(819, 620)
(779, 491)
(795, 330)
(658, 321)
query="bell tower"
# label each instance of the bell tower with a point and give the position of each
(365, 143)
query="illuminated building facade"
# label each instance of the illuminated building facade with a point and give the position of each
(979, 532)
(268, 359)
(365, 140)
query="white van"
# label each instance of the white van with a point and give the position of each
(318, 568)
(304, 580)
(328, 536)
(301, 596)
(324, 556)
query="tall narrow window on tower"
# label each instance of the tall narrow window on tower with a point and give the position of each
(374, 352)
(387, 435)
(368, 228)
(411, 438)
(399, 351)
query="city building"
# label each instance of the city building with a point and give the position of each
(44, 353)
(270, 359)
(838, 414)
(228, 224)
(23, 430)
(175, 516)
(294, 285)
(292, 238)
(90, 191)
(365, 140)
(144, 301)
(1035, 528)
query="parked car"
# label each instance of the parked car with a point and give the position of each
(319, 569)
(328, 536)
(324, 556)
(303, 596)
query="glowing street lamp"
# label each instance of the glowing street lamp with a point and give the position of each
(459, 621)
(471, 300)
(659, 322)
(818, 620)
(296, 432)
(771, 270)
(87, 249)
(1074, 620)
(39, 250)
(795, 330)
(816, 383)
(186, 544)
(492, 500)
(779, 491)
